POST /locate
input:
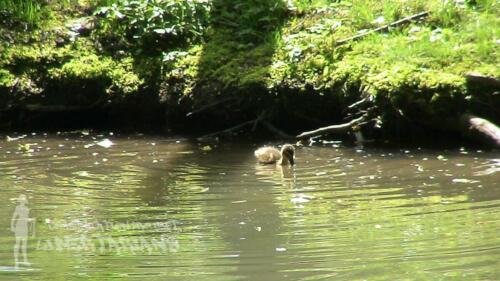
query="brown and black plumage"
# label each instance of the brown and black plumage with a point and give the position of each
(270, 155)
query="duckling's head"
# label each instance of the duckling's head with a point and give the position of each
(287, 155)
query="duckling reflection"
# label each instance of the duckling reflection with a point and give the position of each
(272, 172)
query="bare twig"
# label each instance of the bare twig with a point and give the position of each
(276, 131)
(305, 117)
(358, 103)
(210, 105)
(61, 108)
(229, 130)
(384, 28)
(99, 103)
(258, 119)
(54, 108)
(367, 122)
(350, 116)
(333, 128)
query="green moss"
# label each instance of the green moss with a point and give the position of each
(124, 80)
(14, 88)
(231, 64)
(180, 72)
(22, 59)
(7, 80)
(419, 66)
(423, 63)
(87, 67)
(115, 76)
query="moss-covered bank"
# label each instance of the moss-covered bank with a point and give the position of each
(143, 63)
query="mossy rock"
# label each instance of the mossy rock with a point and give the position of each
(113, 77)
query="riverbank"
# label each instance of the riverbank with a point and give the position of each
(274, 66)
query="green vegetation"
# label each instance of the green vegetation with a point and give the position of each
(153, 25)
(26, 11)
(265, 52)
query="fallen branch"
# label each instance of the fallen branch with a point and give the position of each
(481, 129)
(208, 106)
(57, 108)
(367, 111)
(384, 27)
(356, 104)
(333, 128)
(227, 131)
(307, 118)
(257, 120)
(276, 131)
(366, 122)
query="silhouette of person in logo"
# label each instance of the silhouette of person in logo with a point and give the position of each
(19, 224)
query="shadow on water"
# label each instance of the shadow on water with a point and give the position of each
(248, 234)
(252, 212)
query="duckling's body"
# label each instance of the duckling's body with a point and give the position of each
(270, 155)
(267, 155)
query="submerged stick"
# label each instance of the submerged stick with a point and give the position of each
(384, 27)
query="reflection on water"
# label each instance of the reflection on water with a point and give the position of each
(166, 209)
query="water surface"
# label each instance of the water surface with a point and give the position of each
(151, 208)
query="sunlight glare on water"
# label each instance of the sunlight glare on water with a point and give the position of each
(140, 207)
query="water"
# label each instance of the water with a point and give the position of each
(164, 209)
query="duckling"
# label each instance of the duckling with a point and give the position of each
(270, 155)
